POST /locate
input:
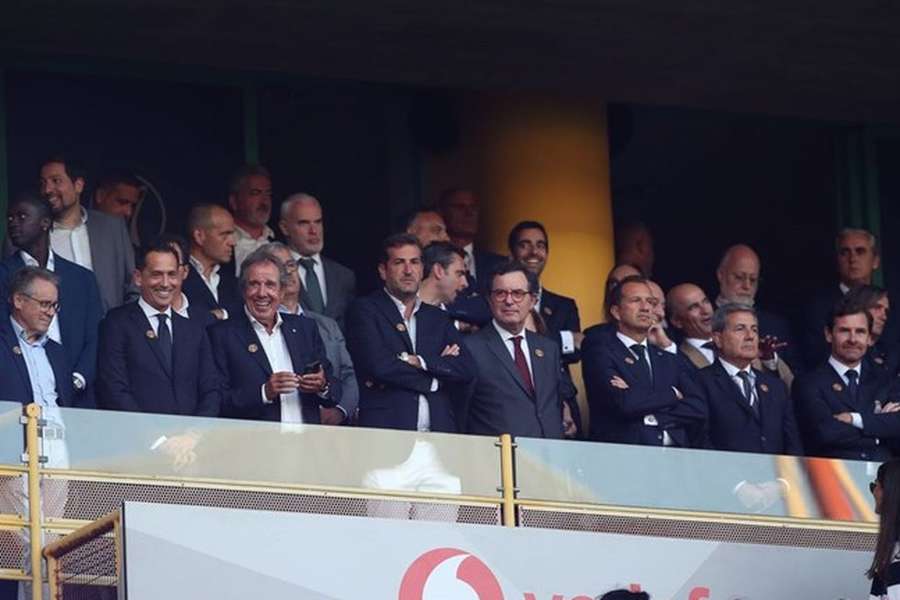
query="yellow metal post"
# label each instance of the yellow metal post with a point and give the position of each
(33, 449)
(508, 480)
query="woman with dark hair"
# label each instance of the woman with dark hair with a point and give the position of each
(885, 569)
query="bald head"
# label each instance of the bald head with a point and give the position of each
(738, 274)
(301, 223)
(690, 311)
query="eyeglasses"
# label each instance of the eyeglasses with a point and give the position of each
(45, 305)
(516, 295)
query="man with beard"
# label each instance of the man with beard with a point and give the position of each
(407, 354)
(846, 407)
(151, 359)
(89, 238)
(250, 201)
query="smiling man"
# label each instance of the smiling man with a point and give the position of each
(150, 358)
(250, 201)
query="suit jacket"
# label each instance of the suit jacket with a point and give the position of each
(485, 263)
(820, 394)
(341, 363)
(560, 314)
(244, 367)
(340, 288)
(15, 383)
(776, 325)
(733, 425)
(389, 387)
(621, 415)
(133, 376)
(79, 315)
(499, 402)
(201, 300)
(696, 359)
(112, 258)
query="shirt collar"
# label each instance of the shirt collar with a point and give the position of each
(841, 368)
(259, 326)
(402, 307)
(20, 334)
(152, 312)
(267, 233)
(733, 370)
(317, 257)
(199, 266)
(31, 261)
(284, 309)
(84, 218)
(504, 334)
(629, 342)
(185, 305)
(698, 343)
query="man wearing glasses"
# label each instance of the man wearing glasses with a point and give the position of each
(517, 382)
(29, 220)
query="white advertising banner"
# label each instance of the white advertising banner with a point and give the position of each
(177, 552)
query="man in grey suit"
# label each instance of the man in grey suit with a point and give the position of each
(516, 388)
(91, 239)
(335, 347)
(328, 287)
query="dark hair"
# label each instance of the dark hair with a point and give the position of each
(888, 478)
(521, 226)
(439, 253)
(248, 170)
(21, 280)
(865, 296)
(41, 204)
(115, 177)
(396, 241)
(625, 595)
(74, 169)
(846, 306)
(172, 239)
(158, 244)
(512, 266)
(406, 220)
(720, 317)
(615, 294)
(257, 257)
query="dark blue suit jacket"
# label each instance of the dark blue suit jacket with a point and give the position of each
(133, 377)
(560, 314)
(618, 415)
(15, 384)
(80, 310)
(389, 388)
(731, 422)
(820, 394)
(201, 300)
(244, 368)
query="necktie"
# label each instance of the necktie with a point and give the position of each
(522, 365)
(747, 389)
(165, 340)
(640, 351)
(853, 385)
(313, 289)
(708, 346)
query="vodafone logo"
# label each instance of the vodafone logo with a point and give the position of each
(449, 574)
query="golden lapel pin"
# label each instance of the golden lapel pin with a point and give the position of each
(548, 311)
(629, 360)
(878, 360)
(837, 387)
(151, 335)
(763, 387)
(401, 327)
(252, 348)
(17, 350)
(539, 353)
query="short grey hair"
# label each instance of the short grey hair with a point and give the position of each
(848, 231)
(720, 317)
(272, 248)
(258, 257)
(23, 280)
(298, 198)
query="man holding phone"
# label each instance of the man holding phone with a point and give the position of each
(274, 365)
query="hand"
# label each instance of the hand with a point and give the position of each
(180, 448)
(891, 407)
(413, 361)
(450, 350)
(570, 429)
(618, 382)
(844, 417)
(577, 338)
(331, 416)
(657, 336)
(768, 346)
(313, 383)
(218, 313)
(282, 382)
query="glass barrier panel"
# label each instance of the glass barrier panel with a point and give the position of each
(694, 480)
(263, 452)
(12, 434)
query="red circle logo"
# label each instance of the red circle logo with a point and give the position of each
(445, 573)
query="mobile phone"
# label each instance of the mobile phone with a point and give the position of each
(312, 367)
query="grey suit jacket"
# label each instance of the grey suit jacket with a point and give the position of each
(340, 288)
(498, 401)
(112, 258)
(341, 363)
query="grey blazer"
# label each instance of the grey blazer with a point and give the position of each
(340, 288)
(341, 363)
(498, 402)
(112, 258)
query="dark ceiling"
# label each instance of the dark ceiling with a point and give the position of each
(824, 59)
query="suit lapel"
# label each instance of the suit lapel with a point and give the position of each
(143, 326)
(839, 390)
(730, 389)
(56, 358)
(201, 285)
(12, 342)
(549, 310)
(95, 235)
(330, 282)
(541, 366)
(626, 361)
(695, 356)
(295, 350)
(250, 343)
(498, 347)
(390, 312)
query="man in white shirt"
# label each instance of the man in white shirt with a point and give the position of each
(209, 286)
(250, 201)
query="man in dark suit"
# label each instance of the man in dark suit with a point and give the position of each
(211, 287)
(406, 353)
(274, 365)
(151, 359)
(91, 239)
(75, 328)
(328, 286)
(518, 376)
(847, 407)
(638, 394)
(748, 410)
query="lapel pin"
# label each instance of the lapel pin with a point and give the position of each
(293, 330)
(369, 383)
(763, 387)
(151, 335)
(17, 350)
(548, 310)
(629, 360)
(401, 327)
(878, 360)
(252, 348)
(837, 387)
(539, 353)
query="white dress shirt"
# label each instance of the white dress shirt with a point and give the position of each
(423, 422)
(733, 373)
(185, 305)
(842, 371)
(565, 337)
(151, 313)
(707, 353)
(73, 244)
(469, 250)
(276, 350)
(246, 243)
(507, 338)
(317, 267)
(53, 332)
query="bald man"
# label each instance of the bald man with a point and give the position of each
(211, 290)
(738, 277)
